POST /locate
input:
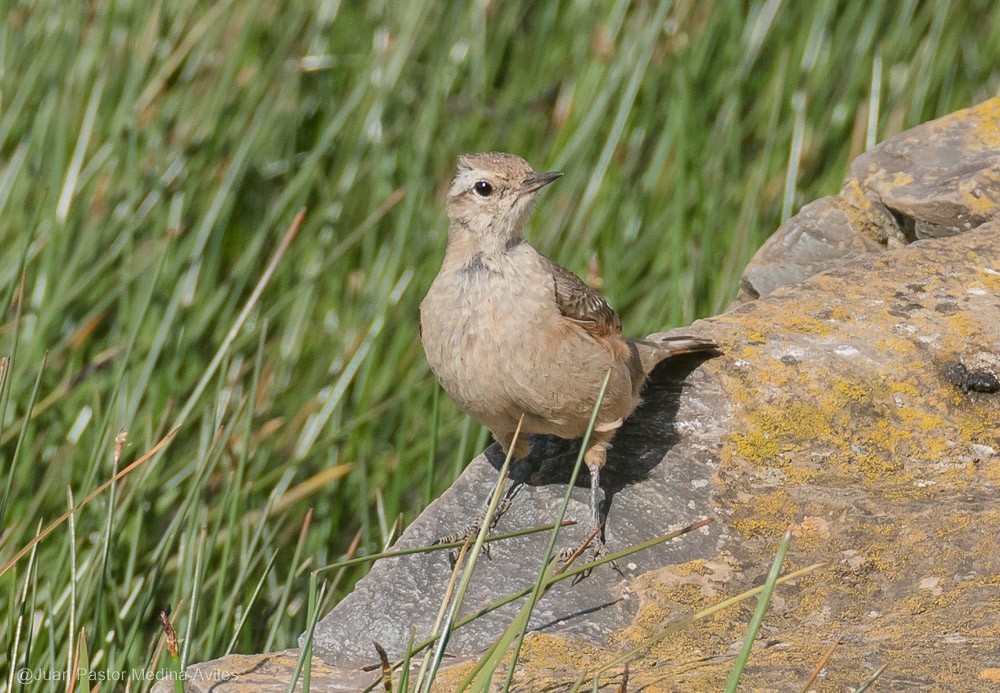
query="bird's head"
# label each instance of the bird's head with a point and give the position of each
(491, 196)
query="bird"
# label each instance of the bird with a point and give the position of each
(512, 336)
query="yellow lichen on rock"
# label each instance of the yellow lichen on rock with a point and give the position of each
(985, 120)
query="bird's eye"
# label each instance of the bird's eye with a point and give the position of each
(483, 188)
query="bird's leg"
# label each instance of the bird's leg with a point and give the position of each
(595, 484)
(595, 457)
(471, 531)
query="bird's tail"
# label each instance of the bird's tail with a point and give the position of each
(653, 351)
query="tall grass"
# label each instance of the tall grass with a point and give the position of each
(152, 155)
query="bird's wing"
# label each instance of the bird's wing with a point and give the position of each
(581, 304)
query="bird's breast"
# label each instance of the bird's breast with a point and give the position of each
(482, 329)
(499, 346)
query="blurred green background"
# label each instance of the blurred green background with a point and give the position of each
(152, 154)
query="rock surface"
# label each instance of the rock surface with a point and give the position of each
(938, 179)
(855, 408)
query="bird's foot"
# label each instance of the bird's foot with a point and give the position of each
(593, 549)
(469, 533)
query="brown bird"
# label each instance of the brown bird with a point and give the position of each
(508, 332)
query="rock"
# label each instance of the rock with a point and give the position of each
(855, 403)
(830, 412)
(651, 492)
(264, 673)
(818, 237)
(938, 179)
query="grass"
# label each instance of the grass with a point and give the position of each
(153, 155)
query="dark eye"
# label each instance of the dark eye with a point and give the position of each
(483, 188)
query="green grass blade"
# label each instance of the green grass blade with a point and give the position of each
(250, 602)
(758, 615)
(536, 593)
(704, 613)
(499, 489)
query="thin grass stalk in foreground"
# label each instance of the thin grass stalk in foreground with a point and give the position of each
(20, 438)
(4, 370)
(822, 663)
(226, 522)
(678, 625)
(758, 615)
(75, 664)
(249, 604)
(352, 550)
(13, 648)
(109, 522)
(83, 658)
(437, 547)
(483, 672)
(498, 492)
(305, 654)
(481, 676)
(536, 593)
(570, 573)
(72, 652)
(558, 573)
(875, 677)
(90, 496)
(287, 590)
(442, 611)
(404, 675)
(32, 629)
(195, 592)
(8, 364)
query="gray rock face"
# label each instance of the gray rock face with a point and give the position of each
(938, 179)
(818, 237)
(859, 407)
(657, 476)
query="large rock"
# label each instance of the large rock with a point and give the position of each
(938, 179)
(858, 407)
(820, 236)
(841, 408)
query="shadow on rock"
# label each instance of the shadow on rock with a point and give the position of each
(638, 448)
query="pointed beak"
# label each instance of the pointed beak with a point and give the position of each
(539, 180)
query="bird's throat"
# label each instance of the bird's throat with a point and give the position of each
(474, 250)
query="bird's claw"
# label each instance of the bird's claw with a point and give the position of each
(470, 532)
(595, 550)
(462, 536)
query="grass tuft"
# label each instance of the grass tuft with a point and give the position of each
(151, 157)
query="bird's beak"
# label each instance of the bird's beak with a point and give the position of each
(539, 180)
